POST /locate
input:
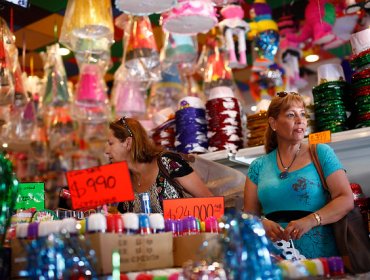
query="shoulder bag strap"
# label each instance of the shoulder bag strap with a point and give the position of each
(166, 174)
(316, 162)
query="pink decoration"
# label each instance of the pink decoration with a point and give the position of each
(190, 17)
(91, 88)
(128, 99)
(314, 25)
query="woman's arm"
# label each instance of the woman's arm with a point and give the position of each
(194, 185)
(252, 205)
(341, 198)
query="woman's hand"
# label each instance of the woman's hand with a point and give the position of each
(295, 229)
(273, 230)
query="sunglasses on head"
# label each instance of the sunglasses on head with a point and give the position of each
(284, 93)
(124, 123)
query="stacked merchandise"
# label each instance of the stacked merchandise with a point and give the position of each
(256, 125)
(164, 134)
(360, 62)
(329, 99)
(224, 121)
(191, 126)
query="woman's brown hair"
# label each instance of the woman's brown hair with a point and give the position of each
(279, 103)
(143, 148)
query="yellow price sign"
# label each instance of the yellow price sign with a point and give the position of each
(320, 137)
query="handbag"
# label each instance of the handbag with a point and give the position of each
(351, 237)
(220, 179)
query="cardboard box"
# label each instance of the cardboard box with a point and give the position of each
(137, 252)
(18, 258)
(189, 247)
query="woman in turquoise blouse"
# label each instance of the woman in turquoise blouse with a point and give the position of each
(285, 188)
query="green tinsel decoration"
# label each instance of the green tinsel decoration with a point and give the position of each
(8, 195)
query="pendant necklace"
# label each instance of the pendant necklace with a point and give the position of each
(284, 174)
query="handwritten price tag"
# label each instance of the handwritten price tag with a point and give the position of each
(199, 207)
(100, 185)
(31, 195)
(320, 137)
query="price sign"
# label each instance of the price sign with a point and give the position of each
(31, 195)
(199, 207)
(320, 137)
(100, 185)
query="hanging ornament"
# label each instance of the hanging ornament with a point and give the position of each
(141, 57)
(23, 123)
(128, 99)
(6, 74)
(61, 130)
(216, 72)
(233, 24)
(190, 17)
(264, 32)
(56, 92)
(181, 50)
(87, 26)
(290, 53)
(165, 93)
(144, 7)
(91, 101)
(8, 193)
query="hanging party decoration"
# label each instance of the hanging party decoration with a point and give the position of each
(87, 25)
(318, 23)
(165, 93)
(128, 99)
(8, 193)
(179, 50)
(141, 58)
(91, 102)
(233, 24)
(6, 74)
(290, 54)
(190, 17)
(215, 70)
(56, 92)
(144, 7)
(264, 32)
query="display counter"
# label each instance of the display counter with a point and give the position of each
(352, 147)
